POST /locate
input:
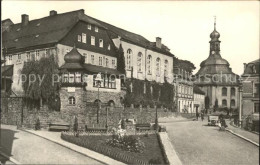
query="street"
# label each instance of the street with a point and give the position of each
(197, 143)
(27, 148)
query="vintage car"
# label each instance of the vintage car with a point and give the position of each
(213, 120)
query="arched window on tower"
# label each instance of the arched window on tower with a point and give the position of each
(233, 91)
(224, 103)
(149, 64)
(224, 91)
(139, 62)
(158, 67)
(129, 59)
(233, 103)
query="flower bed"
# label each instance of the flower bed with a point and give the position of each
(151, 153)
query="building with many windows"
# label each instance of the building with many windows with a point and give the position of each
(216, 79)
(98, 42)
(250, 99)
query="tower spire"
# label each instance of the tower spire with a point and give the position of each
(214, 22)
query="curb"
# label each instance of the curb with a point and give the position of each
(232, 124)
(9, 158)
(111, 161)
(168, 149)
(242, 137)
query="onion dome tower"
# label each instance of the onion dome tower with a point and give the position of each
(73, 60)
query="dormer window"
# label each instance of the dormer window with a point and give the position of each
(108, 47)
(100, 43)
(18, 29)
(38, 24)
(16, 40)
(92, 40)
(96, 29)
(37, 36)
(89, 27)
(84, 38)
(79, 38)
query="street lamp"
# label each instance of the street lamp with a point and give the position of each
(240, 101)
(98, 81)
(156, 116)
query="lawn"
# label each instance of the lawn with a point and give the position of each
(152, 148)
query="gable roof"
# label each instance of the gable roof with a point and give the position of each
(197, 90)
(51, 29)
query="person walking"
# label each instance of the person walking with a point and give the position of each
(202, 115)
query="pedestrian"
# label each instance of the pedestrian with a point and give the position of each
(202, 115)
(197, 115)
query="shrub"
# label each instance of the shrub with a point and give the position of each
(75, 126)
(127, 142)
(37, 124)
(155, 161)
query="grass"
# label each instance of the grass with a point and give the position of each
(152, 148)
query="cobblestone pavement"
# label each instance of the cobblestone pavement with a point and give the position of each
(30, 149)
(197, 143)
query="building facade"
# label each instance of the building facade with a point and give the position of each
(216, 79)
(250, 99)
(199, 99)
(98, 42)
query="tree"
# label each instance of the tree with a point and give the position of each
(42, 88)
(121, 60)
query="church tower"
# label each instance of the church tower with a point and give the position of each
(215, 77)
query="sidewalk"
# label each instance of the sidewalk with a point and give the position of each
(56, 138)
(249, 136)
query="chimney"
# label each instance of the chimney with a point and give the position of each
(244, 66)
(158, 42)
(53, 12)
(25, 19)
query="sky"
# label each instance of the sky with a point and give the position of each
(184, 26)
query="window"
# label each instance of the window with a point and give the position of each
(19, 56)
(65, 78)
(233, 91)
(139, 62)
(149, 64)
(129, 59)
(37, 55)
(256, 90)
(100, 61)
(96, 29)
(224, 103)
(92, 59)
(158, 67)
(224, 91)
(84, 38)
(256, 107)
(72, 100)
(79, 38)
(47, 52)
(107, 62)
(233, 103)
(78, 77)
(89, 27)
(71, 77)
(28, 56)
(113, 63)
(86, 57)
(101, 43)
(92, 40)
(166, 68)
(108, 47)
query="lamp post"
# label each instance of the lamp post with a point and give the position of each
(240, 101)
(156, 117)
(98, 81)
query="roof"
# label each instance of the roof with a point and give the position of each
(99, 69)
(133, 38)
(252, 67)
(7, 70)
(197, 90)
(51, 29)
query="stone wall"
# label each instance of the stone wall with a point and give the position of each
(15, 113)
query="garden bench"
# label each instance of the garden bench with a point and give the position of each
(143, 127)
(59, 127)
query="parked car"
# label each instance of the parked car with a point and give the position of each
(213, 120)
